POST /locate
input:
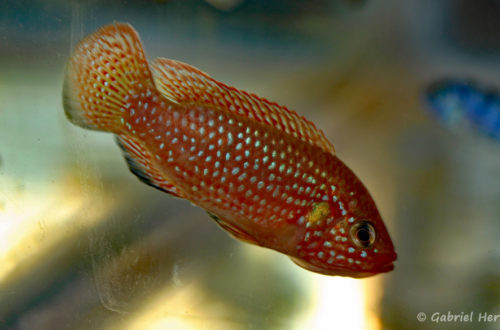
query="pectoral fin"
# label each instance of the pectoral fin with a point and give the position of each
(142, 164)
(233, 231)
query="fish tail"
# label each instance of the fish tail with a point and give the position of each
(106, 75)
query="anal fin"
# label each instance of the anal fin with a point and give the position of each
(142, 164)
(236, 233)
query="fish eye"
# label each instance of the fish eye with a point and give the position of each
(363, 234)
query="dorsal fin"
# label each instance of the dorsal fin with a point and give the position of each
(142, 164)
(182, 83)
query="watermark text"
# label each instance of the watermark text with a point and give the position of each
(461, 317)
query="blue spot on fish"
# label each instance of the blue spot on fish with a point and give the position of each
(458, 104)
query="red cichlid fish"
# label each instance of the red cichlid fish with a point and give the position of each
(264, 174)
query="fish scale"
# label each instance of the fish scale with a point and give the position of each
(238, 158)
(265, 174)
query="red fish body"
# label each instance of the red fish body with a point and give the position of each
(265, 174)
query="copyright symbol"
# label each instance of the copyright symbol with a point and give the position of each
(421, 316)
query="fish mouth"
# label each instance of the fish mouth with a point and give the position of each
(384, 267)
(341, 271)
(364, 273)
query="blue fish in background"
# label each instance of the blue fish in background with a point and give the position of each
(459, 104)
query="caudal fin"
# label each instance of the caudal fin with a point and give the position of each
(105, 77)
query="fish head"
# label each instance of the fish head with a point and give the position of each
(345, 235)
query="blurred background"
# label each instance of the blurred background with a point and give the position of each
(85, 245)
